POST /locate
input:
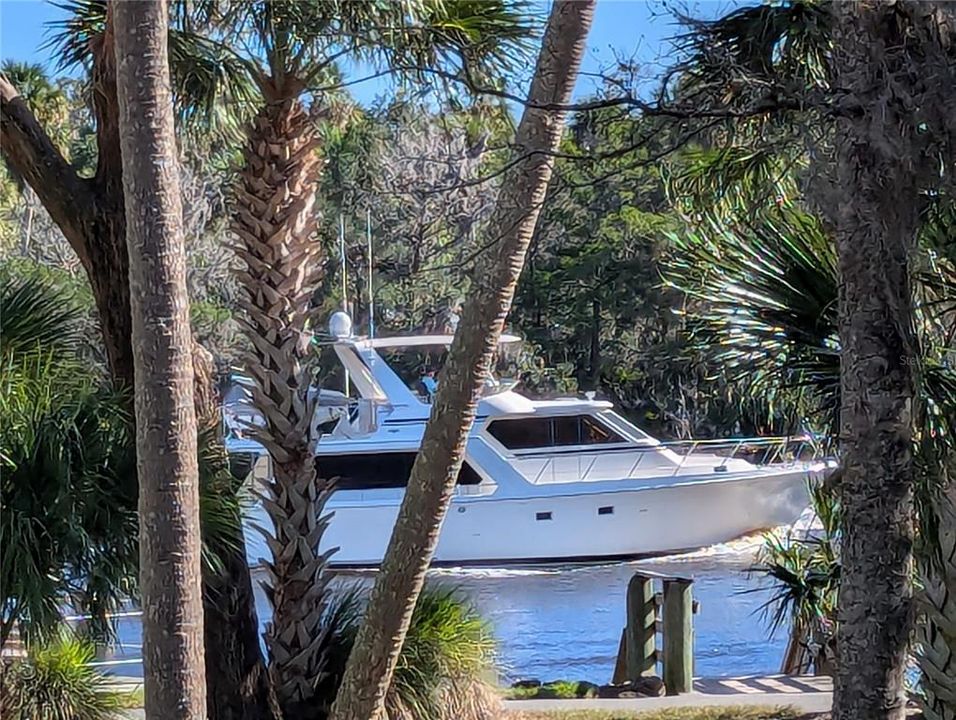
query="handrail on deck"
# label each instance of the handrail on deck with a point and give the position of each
(774, 449)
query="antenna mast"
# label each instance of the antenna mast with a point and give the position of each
(345, 286)
(371, 293)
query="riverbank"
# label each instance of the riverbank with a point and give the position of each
(712, 699)
(686, 712)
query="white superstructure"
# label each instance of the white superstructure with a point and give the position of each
(544, 481)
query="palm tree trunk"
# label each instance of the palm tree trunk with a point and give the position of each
(937, 631)
(170, 543)
(90, 214)
(874, 219)
(371, 665)
(275, 223)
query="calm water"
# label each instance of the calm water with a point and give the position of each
(566, 623)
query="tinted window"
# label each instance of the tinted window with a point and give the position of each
(522, 433)
(527, 433)
(378, 470)
(567, 430)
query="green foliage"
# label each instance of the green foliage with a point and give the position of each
(68, 482)
(766, 310)
(564, 689)
(780, 42)
(36, 314)
(804, 571)
(57, 682)
(448, 653)
(68, 493)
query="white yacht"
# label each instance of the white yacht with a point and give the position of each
(544, 481)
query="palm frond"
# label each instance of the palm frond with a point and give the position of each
(37, 314)
(213, 86)
(767, 312)
(781, 43)
(74, 38)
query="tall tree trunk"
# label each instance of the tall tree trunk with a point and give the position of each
(275, 222)
(372, 663)
(90, 214)
(937, 631)
(874, 220)
(170, 542)
(897, 62)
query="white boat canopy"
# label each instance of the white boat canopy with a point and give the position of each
(422, 340)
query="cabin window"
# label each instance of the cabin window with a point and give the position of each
(566, 430)
(522, 433)
(542, 516)
(593, 432)
(375, 471)
(544, 432)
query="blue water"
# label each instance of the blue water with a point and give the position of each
(566, 623)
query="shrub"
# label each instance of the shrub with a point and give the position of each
(442, 670)
(57, 682)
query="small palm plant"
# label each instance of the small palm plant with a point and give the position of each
(68, 501)
(56, 681)
(804, 576)
(68, 494)
(444, 665)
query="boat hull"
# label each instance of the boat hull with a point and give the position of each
(609, 523)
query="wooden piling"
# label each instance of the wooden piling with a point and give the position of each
(678, 635)
(640, 640)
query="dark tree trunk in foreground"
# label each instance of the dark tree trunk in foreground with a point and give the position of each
(90, 214)
(873, 213)
(896, 61)
(379, 642)
(166, 453)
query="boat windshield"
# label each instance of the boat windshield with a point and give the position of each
(419, 368)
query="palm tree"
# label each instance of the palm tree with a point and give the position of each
(765, 295)
(524, 187)
(90, 213)
(295, 48)
(166, 444)
(781, 65)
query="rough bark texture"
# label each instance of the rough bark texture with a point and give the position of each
(90, 213)
(896, 61)
(937, 635)
(275, 222)
(167, 465)
(875, 226)
(372, 663)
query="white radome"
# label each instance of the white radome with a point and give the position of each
(340, 325)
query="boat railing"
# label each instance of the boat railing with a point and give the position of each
(760, 451)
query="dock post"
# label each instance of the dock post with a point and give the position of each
(640, 632)
(678, 636)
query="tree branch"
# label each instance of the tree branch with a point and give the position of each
(28, 149)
